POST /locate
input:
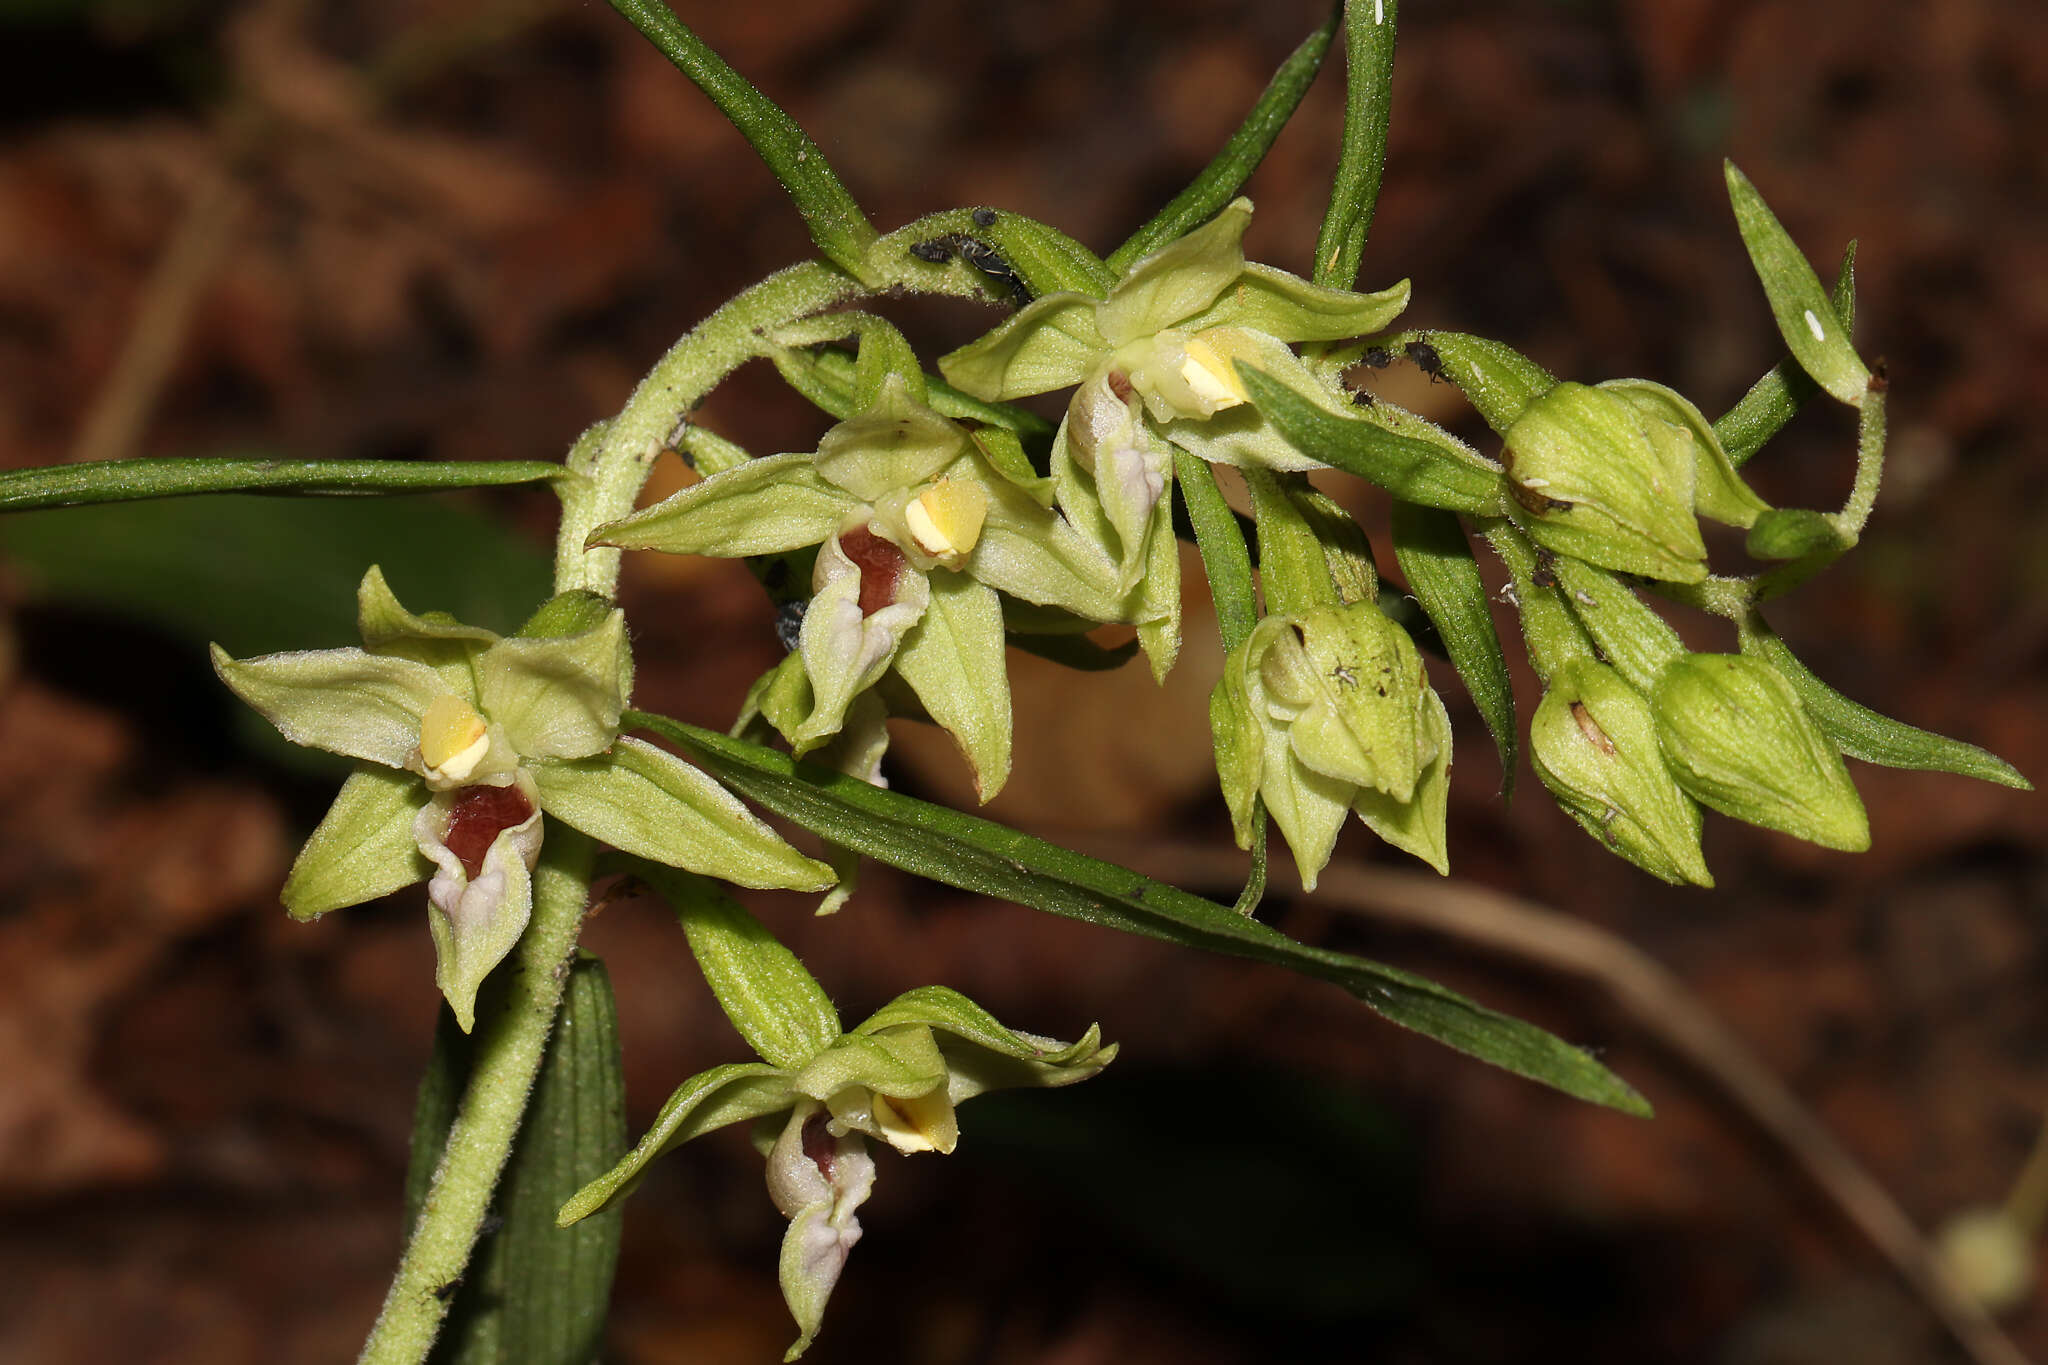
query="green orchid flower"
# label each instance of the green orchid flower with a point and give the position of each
(1326, 712)
(917, 532)
(465, 740)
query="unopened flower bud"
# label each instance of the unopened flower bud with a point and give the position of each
(1594, 744)
(1598, 478)
(1738, 740)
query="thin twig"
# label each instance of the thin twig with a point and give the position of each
(1659, 1001)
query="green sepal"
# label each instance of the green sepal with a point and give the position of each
(1346, 550)
(1036, 556)
(388, 628)
(902, 1063)
(1593, 742)
(1497, 380)
(884, 353)
(346, 701)
(767, 506)
(980, 1053)
(1739, 741)
(1718, 491)
(1552, 635)
(732, 1093)
(894, 443)
(777, 1006)
(1795, 533)
(1415, 470)
(1436, 557)
(1862, 733)
(1806, 318)
(1272, 301)
(1050, 344)
(647, 802)
(560, 696)
(1595, 478)
(1361, 698)
(1628, 631)
(363, 847)
(567, 613)
(1157, 596)
(1421, 824)
(1179, 280)
(953, 659)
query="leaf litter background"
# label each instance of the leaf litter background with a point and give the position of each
(460, 230)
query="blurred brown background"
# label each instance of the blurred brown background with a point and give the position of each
(460, 229)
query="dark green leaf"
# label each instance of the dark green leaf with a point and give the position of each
(1862, 733)
(1225, 558)
(841, 231)
(1436, 557)
(536, 1292)
(1416, 470)
(1368, 96)
(1777, 397)
(78, 485)
(1224, 176)
(977, 855)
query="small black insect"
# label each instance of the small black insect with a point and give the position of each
(445, 1292)
(990, 262)
(1426, 359)
(938, 251)
(984, 217)
(1376, 358)
(1362, 398)
(789, 622)
(1544, 575)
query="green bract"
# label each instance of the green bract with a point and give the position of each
(466, 739)
(1738, 740)
(1329, 711)
(1594, 744)
(917, 532)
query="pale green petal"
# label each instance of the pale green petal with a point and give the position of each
(731, 1093)
(954, 661)
(1051, 343)
(363, 848)
(1241, 436)
(1157, 599)
(1237, 731)
(387, 627)
(1418, 825)
(557, 696)
(896, 443)
(1285, 306)
(346, 701)
(1039, 557)
(902, 1063)
(1179, 280)
(647, 802)
(763, 507)
(1309, 807)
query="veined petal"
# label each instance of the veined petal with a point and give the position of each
(647, 802)
(557, 696)
(346, 701)
(900, 1062)
(1285, 306)
(897, 442)
(1309, 807)
(363, 848)
(1038, 556)
(476, 920)
(1049, 344)
(954, 660)
(1155, 601)
(1241, 435)
(763, 507)
(1179, 280)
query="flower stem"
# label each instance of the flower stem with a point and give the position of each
(511, 1041)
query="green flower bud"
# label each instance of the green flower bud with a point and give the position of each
(1594, 744)
(1738, 740)
(1607, 480)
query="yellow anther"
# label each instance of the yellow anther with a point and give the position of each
(453, 739)
(945, 520)
(1211, 377)
(923, 1123)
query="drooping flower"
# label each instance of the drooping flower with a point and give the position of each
(465, 740)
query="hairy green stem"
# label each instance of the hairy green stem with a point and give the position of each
(510, 1044)
(1368, 97)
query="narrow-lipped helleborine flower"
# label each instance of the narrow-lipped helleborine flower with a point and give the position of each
(466, 742)
(896, 1078)
(917, 531)
(1326, 712)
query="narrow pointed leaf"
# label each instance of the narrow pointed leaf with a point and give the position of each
(1817, 338)
(1436, 557)
(977, 855)
(1225, 175)
(1862, 733)
(1415, 470)
(537, 1292)
(1368, 98)
(838, 227)
(1777, 397)
(777, 1006)
(74, 485)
